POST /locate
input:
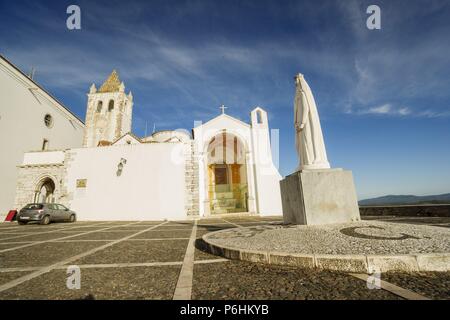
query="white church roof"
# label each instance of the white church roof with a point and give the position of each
(127, 138)
(223, 118)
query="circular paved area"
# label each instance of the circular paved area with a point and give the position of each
(355, 247)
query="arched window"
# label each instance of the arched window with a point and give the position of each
(111, 105)
(259, 119)
(99, 106)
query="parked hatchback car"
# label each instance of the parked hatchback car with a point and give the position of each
(44, 213)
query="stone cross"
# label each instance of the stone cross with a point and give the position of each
(223, 108)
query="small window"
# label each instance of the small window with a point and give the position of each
(111, 106)
(99, 106)
(45, 145)
(128, 141)
(259, 117)
(48, 120)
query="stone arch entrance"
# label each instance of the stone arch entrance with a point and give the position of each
(45, 190)
(227, 178)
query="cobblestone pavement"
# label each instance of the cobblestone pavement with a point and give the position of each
(363, 238)
(144, 260)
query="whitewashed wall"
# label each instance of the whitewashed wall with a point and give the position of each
(266, 174)
(23, 107)
(48, 157)
(151, 186)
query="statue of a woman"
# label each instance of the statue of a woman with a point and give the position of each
(309, 138)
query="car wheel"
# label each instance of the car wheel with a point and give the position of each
(21, 222)
(45, 220)
(72, 218)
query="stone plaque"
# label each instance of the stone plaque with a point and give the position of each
(81, 183)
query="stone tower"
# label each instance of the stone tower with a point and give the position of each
(109, 112)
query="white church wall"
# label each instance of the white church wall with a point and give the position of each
(268, 193)
(150, 187)
(22, 127)
(266, 174)
(49, 157)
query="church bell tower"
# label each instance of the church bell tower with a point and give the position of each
(109, 112)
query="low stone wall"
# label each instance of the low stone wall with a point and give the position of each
(442, 210)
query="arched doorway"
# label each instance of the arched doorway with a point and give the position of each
(227, 174)
(45, 190)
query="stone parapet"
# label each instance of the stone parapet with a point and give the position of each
(438, 210)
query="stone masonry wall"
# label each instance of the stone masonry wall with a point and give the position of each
(66, 196)
(426, 210)
(29, 178)
(191, 179)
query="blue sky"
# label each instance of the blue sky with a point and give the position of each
(383, 95)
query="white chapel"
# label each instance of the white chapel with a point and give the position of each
(223, 166)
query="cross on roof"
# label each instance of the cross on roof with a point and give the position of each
(223, 108)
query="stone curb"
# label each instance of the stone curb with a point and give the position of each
(348, 263)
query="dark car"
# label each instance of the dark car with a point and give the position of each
(44, 213)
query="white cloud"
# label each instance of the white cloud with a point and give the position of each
(355, 79)
(387, 109)
(384, 109)
(404, 111)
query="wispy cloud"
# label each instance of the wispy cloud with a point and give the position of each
(351, 69)
(399, 111)
(387, 109)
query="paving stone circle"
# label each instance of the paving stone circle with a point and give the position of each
(406, 246)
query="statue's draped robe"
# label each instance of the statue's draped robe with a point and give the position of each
(309, 141)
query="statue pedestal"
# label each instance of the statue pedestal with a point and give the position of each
(315, 197)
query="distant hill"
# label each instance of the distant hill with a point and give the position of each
(406, 199)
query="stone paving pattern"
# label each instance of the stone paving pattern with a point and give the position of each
(374, 237)
(250, 281)
(159, 254)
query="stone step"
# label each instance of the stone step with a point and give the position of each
(220, 211)
(224, 202)
(223, 195)
(226, 210)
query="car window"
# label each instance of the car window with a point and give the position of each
(34, 206)
(61, 207)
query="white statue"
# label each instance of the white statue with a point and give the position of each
(309, 138)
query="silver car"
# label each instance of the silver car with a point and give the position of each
(44, 213)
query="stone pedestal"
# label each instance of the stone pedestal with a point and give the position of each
(315, 197)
